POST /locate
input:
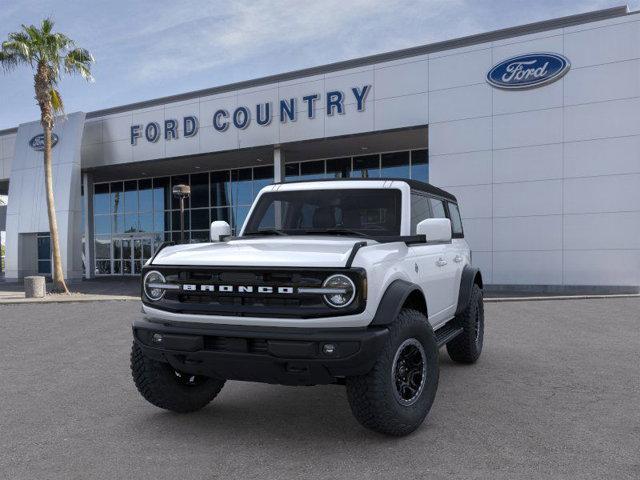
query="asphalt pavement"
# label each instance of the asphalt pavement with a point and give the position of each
(554, 395)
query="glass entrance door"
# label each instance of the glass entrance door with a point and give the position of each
(129, 254)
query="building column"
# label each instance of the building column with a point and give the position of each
(87, 186)
(278, 165)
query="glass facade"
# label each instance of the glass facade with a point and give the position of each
(412, 164)
(133, 217)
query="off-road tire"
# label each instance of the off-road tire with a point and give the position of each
(467, 347)
(163, 387)
(371, 396)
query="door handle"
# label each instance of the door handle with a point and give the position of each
(441, 262)
(457, 258)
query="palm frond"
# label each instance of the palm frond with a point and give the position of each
(79, 60)
(56, 101)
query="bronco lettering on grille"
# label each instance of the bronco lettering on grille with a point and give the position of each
(189, 287)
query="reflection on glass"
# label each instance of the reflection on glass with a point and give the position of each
(175, 220)
(117, 248)
(131, 196)
(339, 168)
(199, 236)
(420, 165)
(220, 189)
(102, 224)
(395, 165)
(145, 222)
(241, 182)
(292, 172)
(131, 222)
(44, 247)
(103, 249)
(262, 176)
(145, 195)
(367, 166)
(200, 219)
(200, 190)
(179, 180)
(44, 266)
(126, 267)
(161, 194)
(101, 198)
(117, 267)
(312, 170)
(239, 218)
(221, 214)
(126, 249)
(116, 197)
(118, 223)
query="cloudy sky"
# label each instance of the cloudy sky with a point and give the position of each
(148, 49)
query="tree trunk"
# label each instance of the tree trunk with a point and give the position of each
(59, 284)
(42, 85)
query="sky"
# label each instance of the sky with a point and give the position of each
(149, 49)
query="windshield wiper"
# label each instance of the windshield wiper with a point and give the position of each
(338, 231)
(266, 231)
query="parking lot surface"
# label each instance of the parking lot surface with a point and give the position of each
(556, 394)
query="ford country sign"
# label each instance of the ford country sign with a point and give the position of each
(37, 142)
(528, 71)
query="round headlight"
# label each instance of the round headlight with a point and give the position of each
(344, 291)
(151, 278)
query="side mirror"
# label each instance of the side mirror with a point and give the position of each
(435, 229)
(219, 229)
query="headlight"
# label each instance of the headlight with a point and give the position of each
(150, 283)
(344, 291)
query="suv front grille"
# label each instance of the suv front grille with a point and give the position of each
(282, 298)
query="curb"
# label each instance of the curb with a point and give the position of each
(559, 297)
(90, 298)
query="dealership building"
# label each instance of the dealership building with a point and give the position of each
(534, 128)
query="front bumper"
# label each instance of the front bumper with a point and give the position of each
(272, 355)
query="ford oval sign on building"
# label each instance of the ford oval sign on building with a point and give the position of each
(37, 142)
(528, 71)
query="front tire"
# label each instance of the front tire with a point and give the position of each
(467, 347)
(396, 395)
(166, 388)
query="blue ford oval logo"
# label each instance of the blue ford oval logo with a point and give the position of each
(528, 71)
(37, 142)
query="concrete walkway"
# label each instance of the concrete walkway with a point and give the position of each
(103, 289)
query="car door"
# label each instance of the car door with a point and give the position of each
(431, 264)
(448, 262)
(460, 246)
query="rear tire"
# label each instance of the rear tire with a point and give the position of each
(467, 347)
(396, 395)
(166, 388)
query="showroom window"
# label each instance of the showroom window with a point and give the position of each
(133, 217)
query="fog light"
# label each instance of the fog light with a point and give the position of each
(328, 349)
(157, 338)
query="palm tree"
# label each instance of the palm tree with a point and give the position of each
(47, 53)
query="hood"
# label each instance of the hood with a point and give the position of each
(290, 251)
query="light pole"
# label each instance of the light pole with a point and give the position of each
(181, 192)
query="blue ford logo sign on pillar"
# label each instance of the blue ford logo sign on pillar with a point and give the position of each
(37, 142)
(528, 71)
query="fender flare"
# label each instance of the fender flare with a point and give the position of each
(470, 275)
(392, 301)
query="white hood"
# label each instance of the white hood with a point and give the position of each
(289, 251)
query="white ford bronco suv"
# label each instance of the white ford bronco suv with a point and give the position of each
(349, 282)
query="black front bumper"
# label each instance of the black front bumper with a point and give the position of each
(284, 356)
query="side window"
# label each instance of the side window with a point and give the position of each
(419, 210)
(437, 208)
(456, 221)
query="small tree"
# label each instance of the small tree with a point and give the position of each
(47, 53)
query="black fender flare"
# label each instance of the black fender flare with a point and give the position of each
(393, 299)
(470, 275)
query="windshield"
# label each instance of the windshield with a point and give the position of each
(359, 212)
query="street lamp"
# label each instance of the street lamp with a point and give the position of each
(181, 192)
